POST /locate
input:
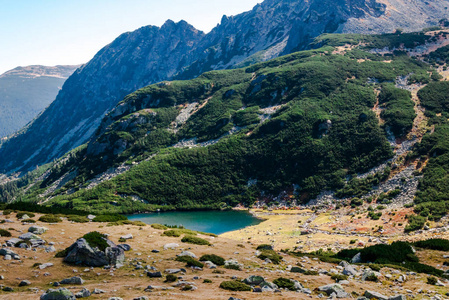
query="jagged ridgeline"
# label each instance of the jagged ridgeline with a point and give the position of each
(299, 123)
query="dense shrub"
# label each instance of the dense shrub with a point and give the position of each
(372, 277)
(28, 221)
(217, 260)
(62, 253)
(127, 222)
(5, 233)
(96, 239)
(264, 247)
(432, 280)
(172, 233)
(271, 255)
(235, 285)
(374, 215)
(22, 213)
(159, 226)
(415, 223)
(284, 283)
(232, 267)
(170, 278)
(77, 219)
(338, 277)
(190, 261)
(50, 219)
(397, 252)
(109, 218)
(194, 240)
(434, 244)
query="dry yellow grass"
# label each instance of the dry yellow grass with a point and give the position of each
(129, 283)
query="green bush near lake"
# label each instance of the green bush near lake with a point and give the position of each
(159, 226)
(109, 218)
(194, 240)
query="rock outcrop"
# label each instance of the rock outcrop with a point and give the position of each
(81, 253)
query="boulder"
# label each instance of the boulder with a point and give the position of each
(171, 246)
(187, 253)
(254, 280)
(50, 249)
(127, 237)
(370, 273)
(174, 271)
(81, 253)
(58, 294)
(210, 265)
(7, 252)
(297, 270)
(375, 295)
(335, 289)
(12, 242)
(98, 291)
(37, 229)
(33, 239)
(115, 256)
(72, 280)
(398, 297)
(357, 259)
(46, 265)
(125, 247)
(154, 274)
(24, 283)
(84, 293)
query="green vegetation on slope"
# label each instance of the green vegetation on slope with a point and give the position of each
(432, 199)
(324, 131)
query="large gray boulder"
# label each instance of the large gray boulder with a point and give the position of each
(72, 280)
(375, 295)
(335, 289)
(81, 253)
(37, 229)
(254, 280)
(58, 294)
(115, 256)
(33, 239)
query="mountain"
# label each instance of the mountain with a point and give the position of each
(26, 91)
(336, 118)
(177, 50)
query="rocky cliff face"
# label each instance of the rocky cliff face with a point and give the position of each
(152, 54)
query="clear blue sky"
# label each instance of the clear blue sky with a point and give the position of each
(52, 32)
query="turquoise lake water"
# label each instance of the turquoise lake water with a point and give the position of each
(217, 222)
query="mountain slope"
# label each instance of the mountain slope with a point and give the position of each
(152, 54)
(26, 91)
(294, 125)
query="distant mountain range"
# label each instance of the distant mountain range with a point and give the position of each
(179, 51)
(26, 91)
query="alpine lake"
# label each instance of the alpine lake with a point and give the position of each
(216, 222)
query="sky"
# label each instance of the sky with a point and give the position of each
(63, 32)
